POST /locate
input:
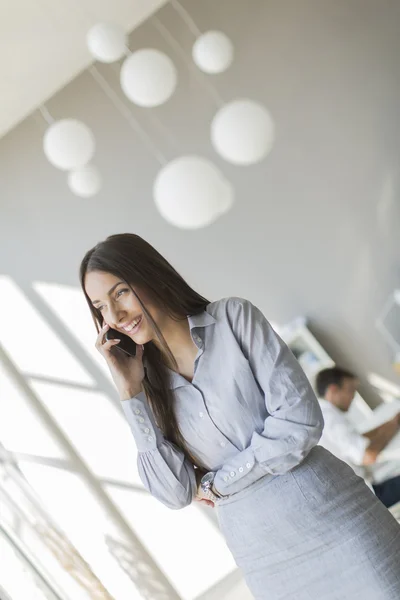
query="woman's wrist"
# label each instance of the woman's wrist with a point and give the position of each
(129, 394)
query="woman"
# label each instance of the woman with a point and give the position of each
(221, 411)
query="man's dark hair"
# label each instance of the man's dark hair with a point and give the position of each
(332, 376)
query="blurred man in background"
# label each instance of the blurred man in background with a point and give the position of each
(336, 389)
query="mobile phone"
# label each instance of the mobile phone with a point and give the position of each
(126, 344)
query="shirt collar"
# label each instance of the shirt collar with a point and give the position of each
(202, 319)
(328, 406)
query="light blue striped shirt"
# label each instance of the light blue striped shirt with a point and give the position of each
(249, 412)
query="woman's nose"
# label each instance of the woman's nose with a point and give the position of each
(116, 316)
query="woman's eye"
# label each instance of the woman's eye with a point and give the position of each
(121, 292)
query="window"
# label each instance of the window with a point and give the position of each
(185, 545)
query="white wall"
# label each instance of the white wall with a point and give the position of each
(315, 227)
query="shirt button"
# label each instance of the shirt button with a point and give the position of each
(222, 444)
(141, 420)
(149, 439)
(147, 430)
(240, 469)
(201, 415)
(248, 465)
(226, 478)
(232, 473)
(137, 412)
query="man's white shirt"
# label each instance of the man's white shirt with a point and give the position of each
(340, 438)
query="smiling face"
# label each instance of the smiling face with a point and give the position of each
(120, 308)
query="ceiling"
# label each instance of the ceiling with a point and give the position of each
(42, 46)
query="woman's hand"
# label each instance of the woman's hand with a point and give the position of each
(200, 495)
(127, 371)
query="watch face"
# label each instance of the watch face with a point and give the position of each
(207, 480)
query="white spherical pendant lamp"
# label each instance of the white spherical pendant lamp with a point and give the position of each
(68, 144)
(85, 182)
(213, 52)
(106, 42)
(190, 192)
(243, 132)
(148, 77)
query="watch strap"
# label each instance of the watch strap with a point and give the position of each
(208, 489)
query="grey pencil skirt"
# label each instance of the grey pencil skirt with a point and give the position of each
(315, 533)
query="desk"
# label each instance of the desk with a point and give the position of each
(388, 463)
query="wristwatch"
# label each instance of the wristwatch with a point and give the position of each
(206, 485)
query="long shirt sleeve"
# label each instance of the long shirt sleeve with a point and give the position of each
(294, 423)
(163, 468)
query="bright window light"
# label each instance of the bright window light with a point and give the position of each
(185, 543)
(23, 524)
(70, 306)
(7, 514)
(37, 548)
(21, 430)
(65, 582)
(70, 503)
(36, 349)
(16, 580)
(95, 427)
(388, 389)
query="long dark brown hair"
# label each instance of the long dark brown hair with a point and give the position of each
(136, 262)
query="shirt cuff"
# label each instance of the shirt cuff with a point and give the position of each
(141, 421)
(238, 473)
